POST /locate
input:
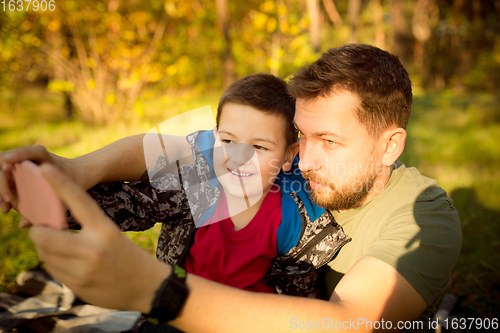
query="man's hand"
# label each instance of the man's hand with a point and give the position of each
(35, 153)
(100, 264)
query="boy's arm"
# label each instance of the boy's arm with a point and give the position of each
(137, 206)
(121, 160)
(118, 161)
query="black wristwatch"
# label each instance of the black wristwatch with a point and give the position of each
(170, 297)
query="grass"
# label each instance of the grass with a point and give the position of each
(452, 138)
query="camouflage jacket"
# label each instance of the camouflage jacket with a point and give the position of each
(180, 201)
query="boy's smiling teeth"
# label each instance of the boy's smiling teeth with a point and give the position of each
(240, 174)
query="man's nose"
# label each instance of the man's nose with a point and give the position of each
(308, 157)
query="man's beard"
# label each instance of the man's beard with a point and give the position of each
(349, 195)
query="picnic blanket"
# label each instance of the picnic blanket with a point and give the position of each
(42, 304)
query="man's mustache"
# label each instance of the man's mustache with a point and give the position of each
(311, 176)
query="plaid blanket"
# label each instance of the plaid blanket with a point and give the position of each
(41, 304)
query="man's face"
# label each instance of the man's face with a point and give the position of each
(339, 159)
(249, 151)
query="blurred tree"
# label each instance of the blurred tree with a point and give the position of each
(421, 30)
(378, 21)
(333, 14)
(19, 59)
(353, 14)
(462, 51)
(227, 56)
(314, 23)
(108, 53)
(402, 40)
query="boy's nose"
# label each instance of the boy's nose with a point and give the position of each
(239, 153)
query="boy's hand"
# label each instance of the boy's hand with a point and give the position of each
(100, 264)
(35, 153)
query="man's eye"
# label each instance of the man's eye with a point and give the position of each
(331, 143)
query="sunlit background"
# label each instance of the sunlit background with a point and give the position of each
(76, 75)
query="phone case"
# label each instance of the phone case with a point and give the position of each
(38, 202)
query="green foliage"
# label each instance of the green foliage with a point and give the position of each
(60, 86)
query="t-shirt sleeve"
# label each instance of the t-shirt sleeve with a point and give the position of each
(422, 244)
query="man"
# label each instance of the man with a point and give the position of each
(352, 108)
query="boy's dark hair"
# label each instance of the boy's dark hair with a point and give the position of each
(266, 93)
(377, 78)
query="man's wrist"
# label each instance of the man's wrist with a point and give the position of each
(169, 297)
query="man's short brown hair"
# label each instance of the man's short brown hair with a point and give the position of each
(266, 93)
(375, 76)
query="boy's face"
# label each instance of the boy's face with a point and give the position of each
(250, 151)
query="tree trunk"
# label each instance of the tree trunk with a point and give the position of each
(227, 56)
(353, 12)
(402, 41)
(378, 20)
(421, 30)
(333, 14)
(314, 24)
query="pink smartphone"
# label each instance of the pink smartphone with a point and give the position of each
(38, 202)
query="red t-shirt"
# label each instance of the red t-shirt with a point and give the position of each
(240, 258)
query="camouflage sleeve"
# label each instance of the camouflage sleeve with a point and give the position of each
(137, 206)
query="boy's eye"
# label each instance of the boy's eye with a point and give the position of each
(227, 141)
(260, 147)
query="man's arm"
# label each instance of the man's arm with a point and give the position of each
(369, 292)
(103, 267)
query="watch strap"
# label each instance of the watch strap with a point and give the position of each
(170, 297)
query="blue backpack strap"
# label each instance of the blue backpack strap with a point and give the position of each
(291, 225)
(289, 230)
(205, 142)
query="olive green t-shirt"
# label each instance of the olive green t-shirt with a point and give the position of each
(411, 225)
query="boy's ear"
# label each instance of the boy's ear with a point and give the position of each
(215, 132)
(291, 152)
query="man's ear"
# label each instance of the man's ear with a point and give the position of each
(394, 143)
(291, 152)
